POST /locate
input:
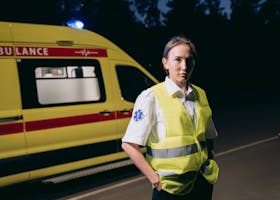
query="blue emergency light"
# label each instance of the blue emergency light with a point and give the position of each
(75, 24)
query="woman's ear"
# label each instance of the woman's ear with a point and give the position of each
(164, 63)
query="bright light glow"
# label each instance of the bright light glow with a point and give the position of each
(75, 24)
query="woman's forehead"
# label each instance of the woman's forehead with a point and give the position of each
(179, 49)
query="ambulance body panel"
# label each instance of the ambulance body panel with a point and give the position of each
(66, 98)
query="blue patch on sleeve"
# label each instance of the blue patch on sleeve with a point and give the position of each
(138, 115)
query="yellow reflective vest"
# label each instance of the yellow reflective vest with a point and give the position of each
(183, 153)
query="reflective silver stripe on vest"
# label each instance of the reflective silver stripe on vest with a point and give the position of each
(188, 176)
(174, 152)
(165, 173)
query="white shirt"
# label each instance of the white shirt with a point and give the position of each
(147, 121)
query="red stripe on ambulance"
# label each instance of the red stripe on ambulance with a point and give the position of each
(73, 120)
(25, 51)
(11, 128)
(67, 121)
(61, 122)
(6, 51)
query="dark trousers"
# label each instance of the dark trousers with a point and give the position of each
(202, 191)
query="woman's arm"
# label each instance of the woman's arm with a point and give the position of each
(137, 157)
(211, 134)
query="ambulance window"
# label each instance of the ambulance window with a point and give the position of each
(65, 72)
(66, 84)
(132, 82)
(59, 82)
(50, 72)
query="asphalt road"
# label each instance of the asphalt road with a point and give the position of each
(251, 173)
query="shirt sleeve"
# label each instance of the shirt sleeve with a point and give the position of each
(140, 124)
(211, 132)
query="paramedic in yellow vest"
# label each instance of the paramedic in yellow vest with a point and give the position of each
(174, 121)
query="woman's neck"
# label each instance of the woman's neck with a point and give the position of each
(184, 87)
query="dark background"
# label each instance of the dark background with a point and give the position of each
(238, 48)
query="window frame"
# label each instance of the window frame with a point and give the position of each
(122, 85)
(27, 77)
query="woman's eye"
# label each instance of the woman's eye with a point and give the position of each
(178, 60)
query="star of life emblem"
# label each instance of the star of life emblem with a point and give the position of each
(138, 115)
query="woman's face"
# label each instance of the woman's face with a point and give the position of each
(178, 64)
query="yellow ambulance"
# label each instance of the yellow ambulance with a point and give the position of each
(66, 98)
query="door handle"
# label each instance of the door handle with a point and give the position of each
(125, 112)
(9, 119)
(105, 113)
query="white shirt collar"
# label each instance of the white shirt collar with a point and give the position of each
(173, 88)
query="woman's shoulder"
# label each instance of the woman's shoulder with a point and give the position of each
(198, 89)
(146, 95)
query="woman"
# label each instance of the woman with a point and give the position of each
(174, 121)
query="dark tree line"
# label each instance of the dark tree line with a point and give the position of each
(238, 54)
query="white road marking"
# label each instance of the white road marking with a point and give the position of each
(107, 188)
(246, 146)
(143, 177)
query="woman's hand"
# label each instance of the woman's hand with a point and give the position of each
(137, 157)
(156, 182)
